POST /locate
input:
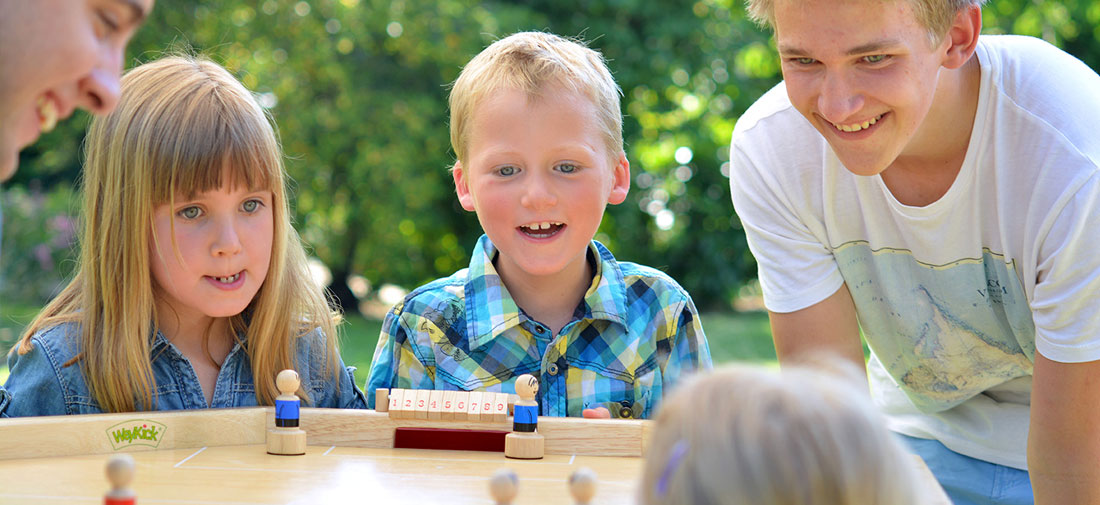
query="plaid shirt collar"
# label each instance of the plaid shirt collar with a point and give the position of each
(490, 309)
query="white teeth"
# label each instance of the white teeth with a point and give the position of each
(227, 280)
(47, 114)
(858, 126)
(545, 225)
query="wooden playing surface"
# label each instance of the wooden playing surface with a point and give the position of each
(246, 474)
(218, 457)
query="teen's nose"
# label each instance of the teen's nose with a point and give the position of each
(98, 91)
(840, 99)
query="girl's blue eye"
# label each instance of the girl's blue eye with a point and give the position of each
(190, 212)
(251, 205)
(567, 168)
(507, 170)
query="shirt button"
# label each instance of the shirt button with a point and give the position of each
(626, 413)
(552, 369)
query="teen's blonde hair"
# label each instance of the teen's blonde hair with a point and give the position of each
(747, 435)
(184, 125)
(935, 15)
(531, 62)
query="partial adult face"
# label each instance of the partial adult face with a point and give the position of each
(863, 72)
(58, 55)
(539, 176)
(224, 241)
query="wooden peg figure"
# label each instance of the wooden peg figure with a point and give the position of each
(504, 486)
(525, 442)
(582, 486)
(120, 473)
(286, 438)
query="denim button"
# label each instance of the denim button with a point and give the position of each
(552, 369)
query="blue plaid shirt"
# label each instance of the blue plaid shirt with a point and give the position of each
(634, 335)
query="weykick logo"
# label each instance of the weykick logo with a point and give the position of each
(136, 432)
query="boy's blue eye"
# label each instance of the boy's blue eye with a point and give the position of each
(190, 212)
(567, 168)
(804, 61)
(875, 58)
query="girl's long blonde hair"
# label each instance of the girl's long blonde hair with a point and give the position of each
(184, 125)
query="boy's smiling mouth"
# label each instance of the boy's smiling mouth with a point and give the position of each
(542, 229)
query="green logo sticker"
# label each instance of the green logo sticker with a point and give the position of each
(136, 432)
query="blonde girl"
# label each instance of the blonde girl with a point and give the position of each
(192, 289)
(746, 435)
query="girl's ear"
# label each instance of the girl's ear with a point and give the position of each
(620, 182)
(462, 187)
(962, 37)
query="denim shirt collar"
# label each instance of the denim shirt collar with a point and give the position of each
(491, 311)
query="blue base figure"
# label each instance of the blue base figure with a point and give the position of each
(286, 413)
(525, 418)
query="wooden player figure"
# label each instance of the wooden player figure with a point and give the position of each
(286, 438)
(525, 442)
(120, 473)
(504, 486)
(582, 486)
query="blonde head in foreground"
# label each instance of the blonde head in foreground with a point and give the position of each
(746, 435)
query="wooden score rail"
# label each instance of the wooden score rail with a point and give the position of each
(33, 437)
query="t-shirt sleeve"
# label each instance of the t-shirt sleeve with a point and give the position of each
(1066, 303)
(796, 268)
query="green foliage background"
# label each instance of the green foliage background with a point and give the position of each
(358, 89)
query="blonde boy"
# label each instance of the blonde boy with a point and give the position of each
(536, 127)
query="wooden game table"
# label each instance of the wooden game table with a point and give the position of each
(218, 456)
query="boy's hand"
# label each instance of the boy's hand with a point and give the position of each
(596, 413)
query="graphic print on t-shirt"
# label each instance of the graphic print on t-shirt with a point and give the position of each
(944, 332)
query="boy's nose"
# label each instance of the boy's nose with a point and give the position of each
(538, 195)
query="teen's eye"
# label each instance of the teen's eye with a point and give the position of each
(507, 170)
(803, 61)
(251, 206)
(567, 168)
(875, 58)
(190, 212)
(109, 20)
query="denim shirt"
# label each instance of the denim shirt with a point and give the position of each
(39, 384)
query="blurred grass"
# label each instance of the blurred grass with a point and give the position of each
(733, 336)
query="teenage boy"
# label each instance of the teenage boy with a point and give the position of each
(941, 194)
(537, 130)
(58, 55)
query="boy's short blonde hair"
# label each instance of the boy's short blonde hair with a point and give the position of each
(935, 15)
(805, 435)
(529, 62)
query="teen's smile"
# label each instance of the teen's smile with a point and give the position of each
(858, 126)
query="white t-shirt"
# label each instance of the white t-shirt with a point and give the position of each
(954, 297)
